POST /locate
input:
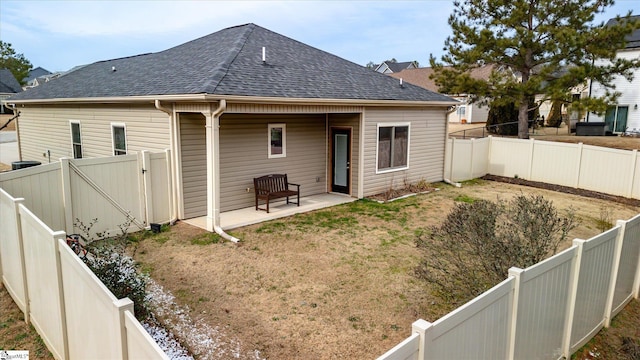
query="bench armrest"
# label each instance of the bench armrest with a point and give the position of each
(298, 185)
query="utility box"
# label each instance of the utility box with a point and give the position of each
(17, 165)
(591, 129)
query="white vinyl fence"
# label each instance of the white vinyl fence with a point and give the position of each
(133, 189)
(606, 170)
(76, 316)
(546, 311)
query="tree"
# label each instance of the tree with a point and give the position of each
(16, 63)
(539, 47)
(478, 242)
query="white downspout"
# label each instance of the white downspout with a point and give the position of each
(213, 171)
(172, 146)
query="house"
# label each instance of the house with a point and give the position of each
(36, 76)
(625, 115)
(237, 104)
(8, 86)
(465, 111)
(389, 67)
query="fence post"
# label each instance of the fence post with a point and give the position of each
(488, 167)
(451, 153)
(573, 294)
(146, 186)
(473, 160)
(423, 328)
(579, 165)
(511, 342)
(122, 306)
(532, 142)
(59, 237)
(23, 268)
(632, 171)
(170, 191)
(617, 254)
(65, 172)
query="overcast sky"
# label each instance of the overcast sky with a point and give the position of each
(58, 35)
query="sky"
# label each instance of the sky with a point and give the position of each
(58, 35)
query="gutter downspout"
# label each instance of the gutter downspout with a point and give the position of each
(16, 112)
(174, 195)
(213, 171)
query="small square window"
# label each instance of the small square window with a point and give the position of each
(277, 140)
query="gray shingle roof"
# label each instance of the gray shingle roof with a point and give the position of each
(229, 62)
(633, 39)
(8, 82)
(36, 73)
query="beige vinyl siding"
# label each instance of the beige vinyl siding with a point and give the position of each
(244, 155)
(426, 147)
(193, 152)
(349, 121)
(47, 128)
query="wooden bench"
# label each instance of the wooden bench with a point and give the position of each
(274, 186)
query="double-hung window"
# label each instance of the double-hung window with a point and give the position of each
(393, 147)
(119, 136)
(76, 139)
(277, 140)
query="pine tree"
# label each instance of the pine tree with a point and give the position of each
(537, 47)
(16, 63)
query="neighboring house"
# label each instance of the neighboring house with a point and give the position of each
(34, 74)
(237, 104)
(8, 86)
(389, 67)
(625, 115)
(465, 111)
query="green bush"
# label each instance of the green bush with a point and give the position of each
(478, 242)
(118, 272)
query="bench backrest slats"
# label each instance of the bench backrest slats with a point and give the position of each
(270, 183)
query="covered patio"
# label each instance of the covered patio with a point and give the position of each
(278, 209)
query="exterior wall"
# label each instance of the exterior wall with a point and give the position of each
(351, 121)
(426, 147)
(474, 113)
(193, 161)
(244, 155)
(45, 128)
(630, 93)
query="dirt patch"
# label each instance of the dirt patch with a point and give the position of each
(15, 334)
(334, 283)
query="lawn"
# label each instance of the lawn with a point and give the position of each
(333, 283)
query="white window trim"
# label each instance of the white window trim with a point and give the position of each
(113, 141)
(393, 124)
(71, 134)
(284, 140)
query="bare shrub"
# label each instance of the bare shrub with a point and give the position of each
(478, 242)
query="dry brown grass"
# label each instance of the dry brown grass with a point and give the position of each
(333, 283)
(15, 334)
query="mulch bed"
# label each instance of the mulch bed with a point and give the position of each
(564, 189)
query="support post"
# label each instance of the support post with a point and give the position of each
(617, 254)
(146, 187)
(122, 306)
(423, 328)
(513, 325)
(65, 171)
(573, 294)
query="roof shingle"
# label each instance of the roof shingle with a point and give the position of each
(229, 62)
